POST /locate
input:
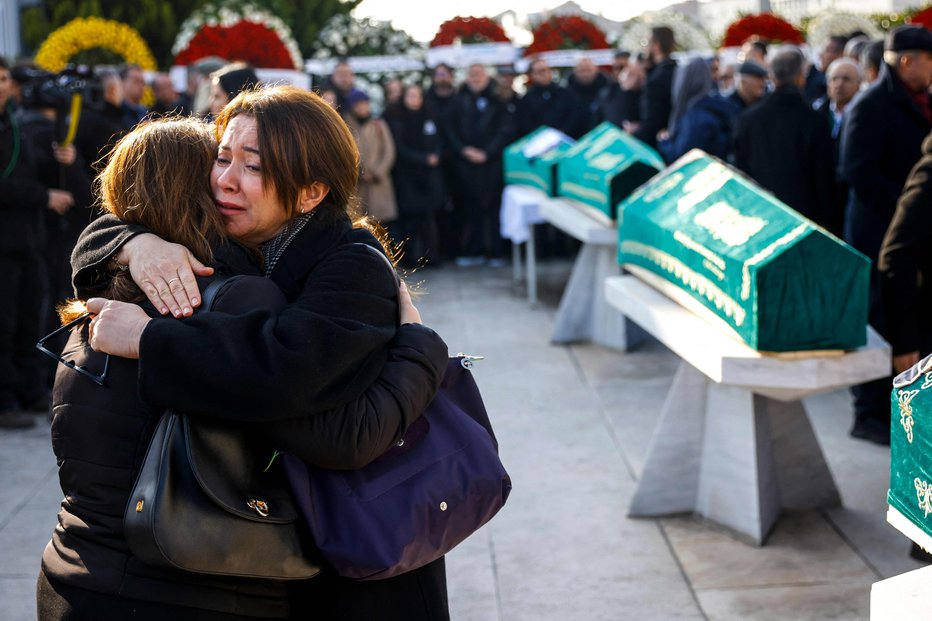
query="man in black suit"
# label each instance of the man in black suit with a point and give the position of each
(784, 145)
(657, 97)
(881, 142)
(545, 102)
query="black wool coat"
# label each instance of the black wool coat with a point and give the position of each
(786, 146)
(881, 142)
(551, 105)
(656, 101)
(23, 198)
(419, 187)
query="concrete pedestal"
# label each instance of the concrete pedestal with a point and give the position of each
(584, 314)
(907, 597)
(733, 443)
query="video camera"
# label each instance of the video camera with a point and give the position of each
(66, 92)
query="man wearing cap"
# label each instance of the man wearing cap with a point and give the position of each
(881, 142)
(750, 85)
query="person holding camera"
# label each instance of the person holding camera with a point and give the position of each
(23, 202)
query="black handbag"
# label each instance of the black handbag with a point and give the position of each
(206, 500)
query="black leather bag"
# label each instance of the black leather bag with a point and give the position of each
(206, 502)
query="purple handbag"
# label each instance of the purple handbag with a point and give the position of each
(412, 505)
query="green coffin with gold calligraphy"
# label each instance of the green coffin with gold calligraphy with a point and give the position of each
(911, 448)
(776, 279)
(604, 167)
(533, 160)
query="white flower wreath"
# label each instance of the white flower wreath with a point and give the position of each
(687, 34)
(228, 16)
(830, 23)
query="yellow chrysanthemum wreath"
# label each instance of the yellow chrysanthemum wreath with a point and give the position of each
(84, 33)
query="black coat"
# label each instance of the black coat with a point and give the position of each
(840, 191)
(345, 297)
(23, 198)
(550, 105)
(656, 101)
(587, 102)
(905, 263)
(617, 105)
(881, 142)
(784, 145)
(418, 186)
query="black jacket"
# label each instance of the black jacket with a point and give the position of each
(881, 142)
(348, 436)
(784, 145)
(23, 198)
(550, 105)
(587, 102)
(419, 187)
(656, 101)
(618, 106)
(905, 263)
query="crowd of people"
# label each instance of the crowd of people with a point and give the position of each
(835, 139)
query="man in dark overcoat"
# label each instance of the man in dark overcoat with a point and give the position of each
(786, 146)
(545, 102)
(481, 126)
(657, 96)
(881, 142)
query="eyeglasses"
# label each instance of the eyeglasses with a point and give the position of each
(99, 379)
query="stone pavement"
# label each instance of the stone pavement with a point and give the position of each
(573, 424)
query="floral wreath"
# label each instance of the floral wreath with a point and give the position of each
(245, 33)
(85, 33)
(569, 32)
(834, 23)
(922, 18)
(686, 33)
(767, 26)
(469, 30)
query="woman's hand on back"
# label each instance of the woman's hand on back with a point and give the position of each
(165, 272)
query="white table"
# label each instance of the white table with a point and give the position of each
(519, 213)
(907, 597)
(584, 314)
(733, 442)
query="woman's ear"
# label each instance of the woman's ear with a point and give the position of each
(311, 196)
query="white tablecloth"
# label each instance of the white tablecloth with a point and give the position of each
(520, 211)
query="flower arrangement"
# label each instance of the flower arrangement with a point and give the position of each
(923, 18)
(686, 33)
(245, 33)
(92, 32)
(767, 26)
(344, 35)
(566, 32)
(833, 23)
(469, 30)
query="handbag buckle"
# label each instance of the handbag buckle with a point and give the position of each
(467, 361)
(259, 506)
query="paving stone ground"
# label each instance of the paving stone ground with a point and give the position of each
(573, 423)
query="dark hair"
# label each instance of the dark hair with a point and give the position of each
(872, 55)
(622, 54)
(126, 68)
(787, 65)
(4, 64)
(302, 140)
(758, 44)
(663, 37)
(442, 66)
(236, 78)
(839, 41)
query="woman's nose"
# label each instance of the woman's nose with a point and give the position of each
(228, 180)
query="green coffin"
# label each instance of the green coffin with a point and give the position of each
(911, 446)
(533, 160)
(604, 167)
(779, 281)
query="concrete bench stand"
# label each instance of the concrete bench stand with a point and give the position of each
(518, 214)
(733, 443)
(584, 314)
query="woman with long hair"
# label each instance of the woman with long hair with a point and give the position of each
(313, 352)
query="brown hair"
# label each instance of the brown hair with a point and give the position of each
(302, 140)
(158, 175)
